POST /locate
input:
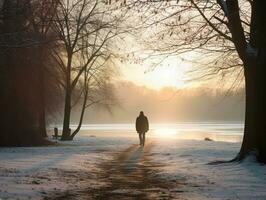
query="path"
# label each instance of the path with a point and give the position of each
(129, 176)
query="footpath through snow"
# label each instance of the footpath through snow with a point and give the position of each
(129, 176)
(116, 168)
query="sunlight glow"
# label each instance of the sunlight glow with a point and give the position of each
(165, 132)
(171, 73)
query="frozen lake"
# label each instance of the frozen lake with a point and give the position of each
(218, 131)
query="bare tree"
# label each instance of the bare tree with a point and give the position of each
(85, 29)
(230, 35)
(97, 89)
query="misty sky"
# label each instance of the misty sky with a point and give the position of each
(166, 92)
(169, 105)
(167, 95)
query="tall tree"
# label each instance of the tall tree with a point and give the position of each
(231, 36)
(22, 44)
(42, 19)
(96, 86)
(85, 29)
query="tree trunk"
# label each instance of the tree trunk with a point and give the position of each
(19, 103)
(67, 113)
(67, 110)
(255, 129)
(254, 139)
(249, 141)
(261, 87)
(42, 106)
(42, 122)
(261, 83)
(81, 115)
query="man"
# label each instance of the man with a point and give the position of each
(142, 126)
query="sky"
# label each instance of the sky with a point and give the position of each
(171, 73)
(168, 105)
(144, 68)
(165, 92)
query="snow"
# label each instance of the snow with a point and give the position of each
(36, 172)
(187, 160)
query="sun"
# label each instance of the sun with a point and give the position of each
(167, 76)
(171, 73)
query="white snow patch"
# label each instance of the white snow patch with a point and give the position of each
(187, 160)
(36, 172)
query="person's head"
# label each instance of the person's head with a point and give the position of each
(141, 113)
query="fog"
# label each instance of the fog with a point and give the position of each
(169, 105)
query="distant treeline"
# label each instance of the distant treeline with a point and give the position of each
(171, 105)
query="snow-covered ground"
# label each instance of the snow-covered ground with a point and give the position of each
(35, 172)
(187, 160)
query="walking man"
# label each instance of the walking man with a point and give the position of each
(142, 126)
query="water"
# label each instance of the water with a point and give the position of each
(218, 131)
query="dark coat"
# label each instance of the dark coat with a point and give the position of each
(142, 124)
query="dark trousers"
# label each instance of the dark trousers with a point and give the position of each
(142, 139)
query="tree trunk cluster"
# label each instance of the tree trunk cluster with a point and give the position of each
(24, 79)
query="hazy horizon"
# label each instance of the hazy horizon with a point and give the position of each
(166, 105)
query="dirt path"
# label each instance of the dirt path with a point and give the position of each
(129, 176)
